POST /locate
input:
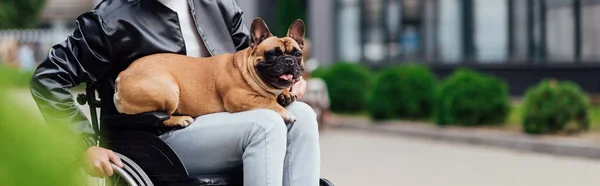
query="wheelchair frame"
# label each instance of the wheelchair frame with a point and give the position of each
(148, 160)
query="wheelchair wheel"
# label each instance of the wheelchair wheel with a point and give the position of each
(131, 174)
(325, 182)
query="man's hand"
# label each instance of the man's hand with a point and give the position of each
(97, 162)
(299, 88)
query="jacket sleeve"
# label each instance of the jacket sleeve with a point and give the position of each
(239, 31)
(83, 57)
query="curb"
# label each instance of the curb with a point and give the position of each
(516, 141)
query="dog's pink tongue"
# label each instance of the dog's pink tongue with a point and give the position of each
(286, 77)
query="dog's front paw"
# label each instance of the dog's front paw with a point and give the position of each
(179, 121)
(289, 118)
(286, 98)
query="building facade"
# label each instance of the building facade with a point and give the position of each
(521, 41)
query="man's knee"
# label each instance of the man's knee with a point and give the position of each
(306, 124)
(269, 120)
(302, 111)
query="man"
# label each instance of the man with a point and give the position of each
(26, 57)
(117, 32)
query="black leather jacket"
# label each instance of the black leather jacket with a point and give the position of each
(114, 34)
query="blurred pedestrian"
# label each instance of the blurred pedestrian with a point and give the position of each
(8, 51)
(316, 89)
(26, 57)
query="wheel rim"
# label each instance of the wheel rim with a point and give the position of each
(131, 174)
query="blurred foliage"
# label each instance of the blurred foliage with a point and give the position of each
(30, 152)
(319, 72)
(471, 98)
(287, 12)
(17, 78)
(348, 85)
(405, 91)
(20, 13)
(550, 106)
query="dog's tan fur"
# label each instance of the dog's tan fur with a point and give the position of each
(187, 87)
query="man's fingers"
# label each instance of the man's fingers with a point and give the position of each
(107, 169)
(115, 159)
(98, 170)
(92, 171)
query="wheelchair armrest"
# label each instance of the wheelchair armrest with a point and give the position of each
(137, 121)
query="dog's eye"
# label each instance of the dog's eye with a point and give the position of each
(275, 52)
(298, 54)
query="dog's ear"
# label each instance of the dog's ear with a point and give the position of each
(258, 32)
(296, 32)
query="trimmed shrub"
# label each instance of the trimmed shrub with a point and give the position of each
(348, 85)
(405, 91)
(471, 98)
(319, 72)
(550, 106)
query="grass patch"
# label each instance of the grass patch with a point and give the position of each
(362, 113)
(513, 122)
(595, 117)
(516, 115)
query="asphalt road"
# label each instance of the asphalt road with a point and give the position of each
(354, 158)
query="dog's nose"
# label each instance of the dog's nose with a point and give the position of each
(288, 61)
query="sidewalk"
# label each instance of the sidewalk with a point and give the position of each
(503, 139)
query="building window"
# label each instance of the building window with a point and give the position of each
(449, 31)
(430, 21)
(590, 31)
(393, 21)
(349, 45)
(519, 39)
(491, 30)
(374, 38)
(560, 40)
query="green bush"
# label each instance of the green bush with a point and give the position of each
(405, 91)
(20, 13)
(31, 152)
(550, 106)
(348, 85)
(319, 72)
(471, 98)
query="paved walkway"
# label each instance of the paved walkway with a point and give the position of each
(354, 158)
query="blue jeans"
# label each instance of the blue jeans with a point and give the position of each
(271, 154)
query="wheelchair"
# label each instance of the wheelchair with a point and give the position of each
(148, 161)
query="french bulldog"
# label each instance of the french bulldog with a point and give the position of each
(259, 76)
